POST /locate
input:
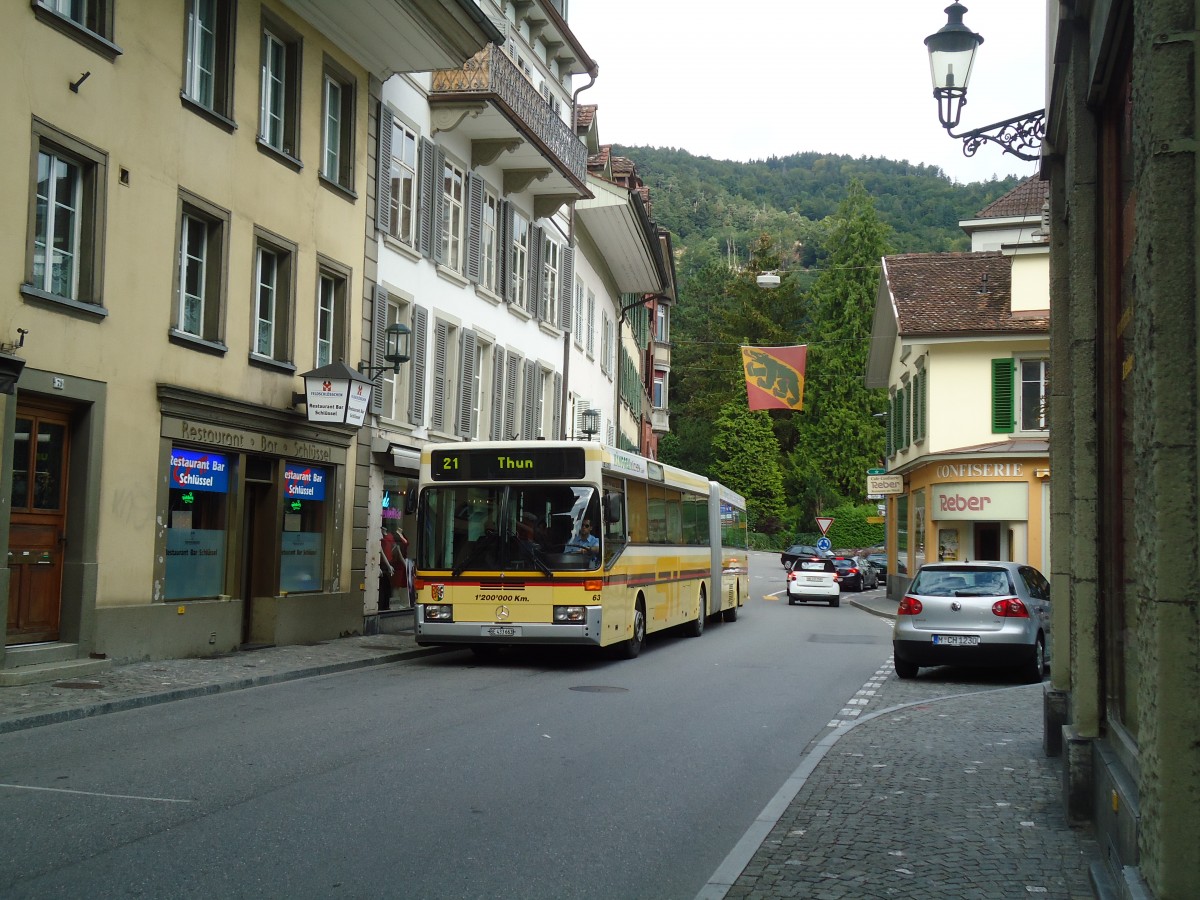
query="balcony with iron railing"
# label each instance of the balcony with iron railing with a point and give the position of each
(508, 120)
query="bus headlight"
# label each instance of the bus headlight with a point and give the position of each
(439, 612)
(570, 615)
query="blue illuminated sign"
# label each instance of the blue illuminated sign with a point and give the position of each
(195, 470)
(301, 482)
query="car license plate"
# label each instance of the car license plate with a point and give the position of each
(956, 640)
(501, 631)
(817, 578)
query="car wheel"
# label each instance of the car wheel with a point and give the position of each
(791, 601)
(631, 647)
(905, 669)
(836, 601)
(1036, 667)
(695, 628)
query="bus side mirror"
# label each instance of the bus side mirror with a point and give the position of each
(614, 507)
(410, 501)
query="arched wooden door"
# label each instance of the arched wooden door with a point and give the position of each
(37, 536)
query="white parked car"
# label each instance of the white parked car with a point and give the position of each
(813, 579)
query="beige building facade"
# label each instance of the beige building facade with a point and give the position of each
(193, 177)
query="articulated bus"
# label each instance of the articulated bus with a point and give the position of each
(571, 542)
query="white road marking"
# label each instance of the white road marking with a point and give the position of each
(26, 787)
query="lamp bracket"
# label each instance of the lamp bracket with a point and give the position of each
(1021, 136)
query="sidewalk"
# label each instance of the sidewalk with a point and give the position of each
(919, 789)
(161, 681)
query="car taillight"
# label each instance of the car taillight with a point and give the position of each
(791, 576)
(1010, 608)
(852, 571)
(910, 606)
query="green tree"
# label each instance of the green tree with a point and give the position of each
(746, 459)
(839, 437)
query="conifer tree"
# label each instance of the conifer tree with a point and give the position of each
(746, 459)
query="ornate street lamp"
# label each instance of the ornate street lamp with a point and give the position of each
(589, 422)
(951, 57)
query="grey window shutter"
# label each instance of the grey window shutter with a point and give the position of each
(530, 400)
(566, 288)
(556, 427)
(512, 384)
(378, 346)
(420, 351)
(427, 190)
(467, 385)
(383, 178)
(497, 432)
(474, 226)
(504, 254)
(537, 276)
(439, 205)
(441, 337)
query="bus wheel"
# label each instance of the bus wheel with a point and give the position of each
(630, 648)
(730, 615)
(695, 628)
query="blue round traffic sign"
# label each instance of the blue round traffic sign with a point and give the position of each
(824, 543)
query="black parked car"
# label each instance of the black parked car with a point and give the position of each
(880, 562)
(801, 551)
(856, 573)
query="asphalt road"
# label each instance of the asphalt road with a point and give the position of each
(538, 774)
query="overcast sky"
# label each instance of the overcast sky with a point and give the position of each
(751, 79)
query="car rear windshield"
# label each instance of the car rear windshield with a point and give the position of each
(975, 582)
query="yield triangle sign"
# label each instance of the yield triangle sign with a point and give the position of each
(823, 522)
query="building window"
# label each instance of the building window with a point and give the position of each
(591, 323)
(332, 290)
(661, 331)
(606, 346)
(577, 319)
(660, 389)
(279, 103)
(1034, 394)
(200, 276)
(272, 300)
(90, 22)
(519, 295)
(65, 248)
(208, 68)
(394, 385)
(489, 245)
(197, 523)
(453, 184)
(404, 182)
(337, 139)
(548, 308)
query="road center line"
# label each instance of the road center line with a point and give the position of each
(26, 787)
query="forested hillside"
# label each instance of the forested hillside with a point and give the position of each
(823, 222)
(711, 205)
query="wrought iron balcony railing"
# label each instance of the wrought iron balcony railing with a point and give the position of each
(491, 75)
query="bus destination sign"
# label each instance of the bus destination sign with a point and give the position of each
(517, 464)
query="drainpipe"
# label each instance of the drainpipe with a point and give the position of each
(563, 404)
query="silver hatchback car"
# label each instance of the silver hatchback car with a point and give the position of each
(974, 614)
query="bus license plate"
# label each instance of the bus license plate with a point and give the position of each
(956, 640)
(501, 631)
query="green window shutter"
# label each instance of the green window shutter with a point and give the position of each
(921, 403)
(908, 392)
(1004, 407)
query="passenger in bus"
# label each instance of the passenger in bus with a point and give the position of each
(585, 542)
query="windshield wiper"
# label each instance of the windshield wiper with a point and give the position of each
(482, 544)
(530, 551)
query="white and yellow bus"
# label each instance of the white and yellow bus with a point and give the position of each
(506, 555)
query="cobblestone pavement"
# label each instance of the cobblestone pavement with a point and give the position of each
(931, 788)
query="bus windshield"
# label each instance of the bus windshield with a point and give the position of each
(533, 527)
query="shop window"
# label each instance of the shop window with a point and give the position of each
(197, 524)
(302, 541)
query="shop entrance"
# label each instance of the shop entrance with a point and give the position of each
(37, 537)
(987, 540)
(259, 557)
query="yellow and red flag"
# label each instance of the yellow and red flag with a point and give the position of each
(775, 376)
